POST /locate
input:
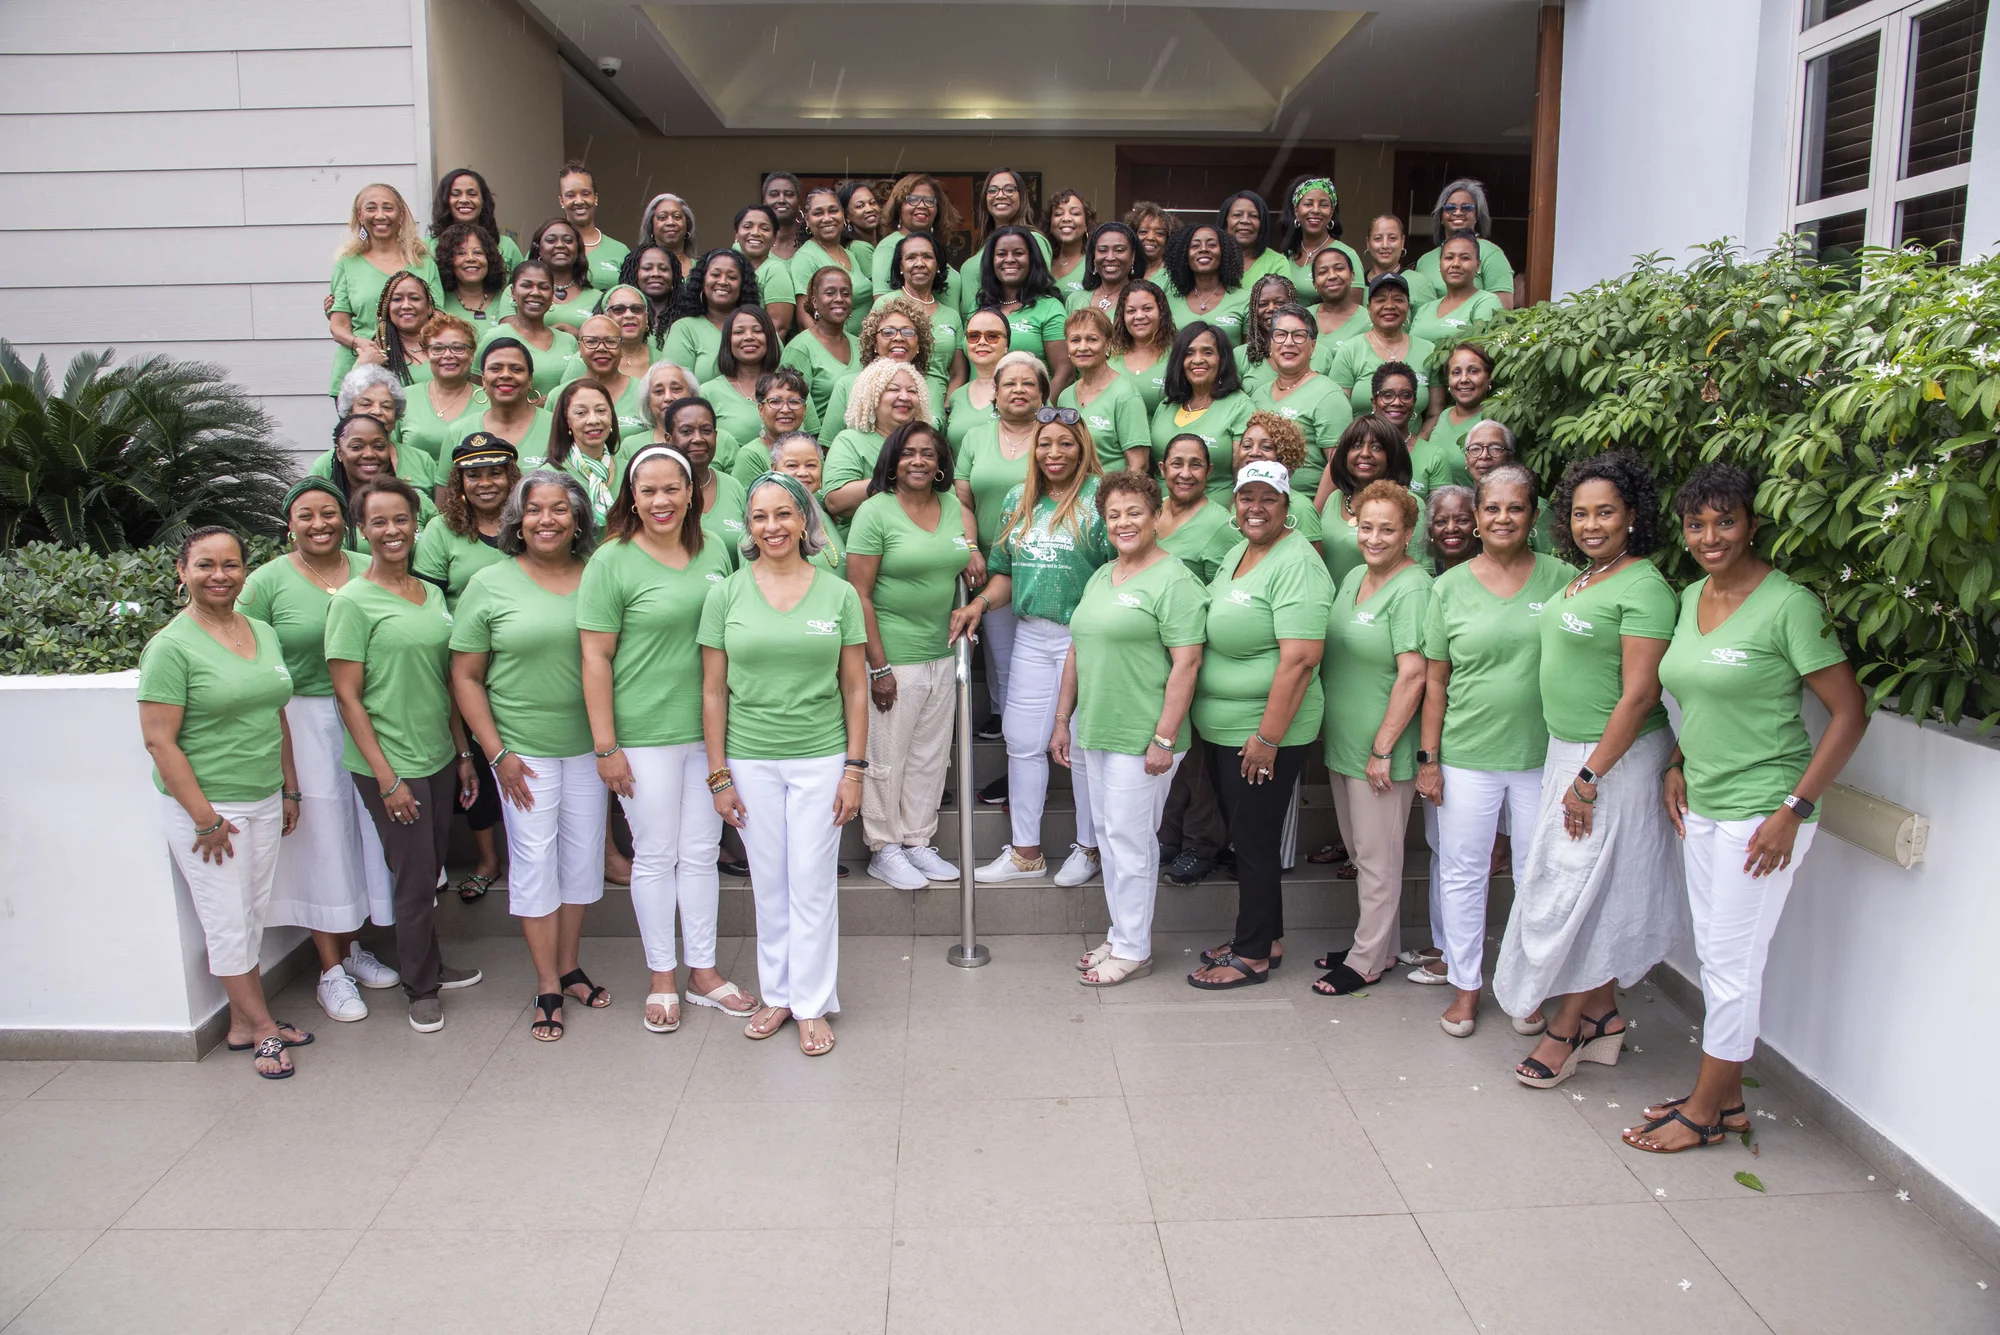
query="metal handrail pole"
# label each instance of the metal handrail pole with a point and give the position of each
(968, 953)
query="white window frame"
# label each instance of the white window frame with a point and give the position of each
(1886, 192)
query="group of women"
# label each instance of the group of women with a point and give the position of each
(1211, 496)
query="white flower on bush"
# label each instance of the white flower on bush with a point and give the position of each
(1889, 511)
(1846, 573)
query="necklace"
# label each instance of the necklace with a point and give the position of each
(226, 627)
(926, 301)
(1583, 582)
(313, 570)
(561, 290)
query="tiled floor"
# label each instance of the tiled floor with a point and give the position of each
(987, 1151)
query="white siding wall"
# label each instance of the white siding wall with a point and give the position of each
(175, 176)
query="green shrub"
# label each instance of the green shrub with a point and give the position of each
(1865, 395)
(124, 457)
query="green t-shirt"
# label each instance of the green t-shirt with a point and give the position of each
(821, 371)
(1583, 659)
(1359, 668)
(1493, 702)
(1322, 413)
(405, 656)
(1351, 367)
(1253, 375)
(1195, 538)
(295, 607)
(1051, 562)
(413, 466)
(500, 304)
(1117, 420)
(534, 665)
(1448, 327)
(548, 365)
(692, 342)
(606, 258)
(1218, 425)
(733, 413)
(884, 256)
(774, 280)
(1231, 316)
(784, 667)
(1740, 688)
(1122, 632)
(357, 292)
(723, 521)
(230, 706)
(1287, 597)
(449, 561)
(1270, 262)
(533, 445)
(655, 611)
(962, 418)
(1302, 271)
(851, 458)
(581, 305)
(992, 477)
(1299, 511)
(752, 462)
(1035, 326)
(810, 258)
(965, 283)
(1151, 382)
(917, 581)
(1069, 286)
(1323, 346)
(629, 407)
(423, 429)
(1447, 441)
(1495, 273)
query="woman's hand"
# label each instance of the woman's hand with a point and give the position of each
(367, 352)
(730, 807)
(1674, 791)
(1430, 782)
(513, 774)
(965, 620)
(291, 817)
(1059, 743)
(402, 805)
(975, 570)
(616, 772)
(1158, 759)
(882, 691)
(468, 784)
(1576, 810)
(1377, 773)
(847, 797)
(1771, 844)
(1258, 760)
(216, 847)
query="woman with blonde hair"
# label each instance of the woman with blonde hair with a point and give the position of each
(897, 329)
(383, 239)
(887, 395)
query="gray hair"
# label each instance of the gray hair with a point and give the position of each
(653, 207)
(1448, 491)
(646, 385)
(1506, 433)
(1516, 474)
(511, 514)
(811, 543)
(362, 377)
(1484, 226)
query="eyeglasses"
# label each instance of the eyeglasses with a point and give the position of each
(781, 402)
(1290, 336)
(1003, 189)
(448, 349)
(624, 308)
(1459, 208)
(1067, 416)
(921, 201)
(1494, 448)
(597, 344)
(1397, 396)
(900, 333)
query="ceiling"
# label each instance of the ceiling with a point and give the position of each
(1453, 71)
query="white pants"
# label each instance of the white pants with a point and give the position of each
(232, 897)
(996, 632)
(676, 831)
(1128, 803)
(1734, 918)
(332, 876)
(909, 750)
(555, 851)
(794, 851)
(1033, 689)
(1475, 804)
(1437, 880)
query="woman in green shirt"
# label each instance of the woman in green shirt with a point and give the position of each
(1001, 201)
(914, 274)
(863, 202)
(1395, 390)
(1129, 679)
(1468, 371)
(517, 674)
(916, 204)
(1204, 396)
(362, 451)
(1742, 787)
(503, 405)
(474, 286)
(1113, 254)
(531, 291)
(583, 441)
(1268, 293)
(462, 196)
(826, 248)
(1464, 303)
(1154, 227)
(1258, 704)
(406, 307)
(670, 223)
(896, 330)
(1205, 270)
(1601, 897)
(1013, 279)
(445, 393)
(1351, 365)
(1311, 229)
(720, 281)
(388, 655)
(824, 352)
(1388, 247)
(1111, 407)
(654, 270)
(1071, 219)
(689, 426)
(382, 241)
(887, 396)
(1269, 437)
(576, 192)
(1461, 206)
(994, 461)
(756, 227)
(638, 611)
(797, 454)
(1142, 336)
(781, 410)
(1300, 394)
(371, 391)
(975, 404)
(906, 551)
(1374, 671)
(212, 692)
(1191, 829)
(1247, 220)
(1340, 313)
(748, 353)
(1052, 538)
(572, 295)
(784, 713)
(331, 878)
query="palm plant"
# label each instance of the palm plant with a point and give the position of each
(129, 456)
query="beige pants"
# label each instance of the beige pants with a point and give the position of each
(909, 749)
(1374, 825)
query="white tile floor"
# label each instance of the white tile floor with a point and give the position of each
(987, 1151)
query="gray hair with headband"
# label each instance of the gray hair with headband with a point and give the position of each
(812, 542)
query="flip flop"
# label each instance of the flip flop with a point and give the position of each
(1228, 960)
(666, 1001)
(290, 1043)
(716, 997)
(274, 1049)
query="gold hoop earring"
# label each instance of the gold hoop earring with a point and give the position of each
(1291, 522)
(181, 595)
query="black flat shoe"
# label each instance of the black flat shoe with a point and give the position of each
(1228, 960)
(995, 794)
(737, 869)
(990, 730)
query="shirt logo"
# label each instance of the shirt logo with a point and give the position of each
(1127, 600)
(1535, 610)
(1727, 657)
(714, 578)
(823, 627)
(736, 524)
(282, 671)
(1364, 618)
(958, 541)
(1576, 625)
(1240, 596)
(446, 615)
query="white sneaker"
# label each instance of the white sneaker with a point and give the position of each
(893, 865)
(368, 971)
(1007, 867)
(339, 998)
(1078, 867)
(928, 861)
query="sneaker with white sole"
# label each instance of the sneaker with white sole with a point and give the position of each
(450, 976)
(339, 998)
(1008, 867)
(892, 864)
(368, 971)
(1078, 867)
(928, 862)
(426, 1015)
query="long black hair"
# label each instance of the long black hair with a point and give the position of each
(1227, 382)
(441, 215)
(628, 276)
(1092, 280)
(726, 364)
(1035, 285)
(891, 454)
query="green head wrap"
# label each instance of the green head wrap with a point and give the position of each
(1314, 183)
(311, 483)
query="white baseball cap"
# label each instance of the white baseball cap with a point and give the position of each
(1268, 471)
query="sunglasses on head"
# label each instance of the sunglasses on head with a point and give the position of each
(1067, 416)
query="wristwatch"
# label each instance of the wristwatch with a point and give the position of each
(1426, 757)
(1585, 774)
(1801, 807)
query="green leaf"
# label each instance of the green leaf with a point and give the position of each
(1750, 1082)
(1749, 1180)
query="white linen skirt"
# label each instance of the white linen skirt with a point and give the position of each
(332, 876)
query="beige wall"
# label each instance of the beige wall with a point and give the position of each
(496, 105)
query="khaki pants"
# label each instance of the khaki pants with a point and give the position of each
(1374, 824)
(909, 749)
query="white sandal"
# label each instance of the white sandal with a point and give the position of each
(1112, 971)
(1097, 956)
(666, 1001)
(715, 999)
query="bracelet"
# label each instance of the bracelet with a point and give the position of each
(876, 674)
(717, 776)
(723, 787)
(291, 796)
(503, 753)
(1587, 801)
(1676, 764)
(1164, 743)
(391, 789)
(465, 755)
(220, 820)
(982, 598)
(1380, 755)
(1258, 737)
(606, 755)
(852, 763)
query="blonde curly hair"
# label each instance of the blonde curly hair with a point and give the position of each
(869, 386)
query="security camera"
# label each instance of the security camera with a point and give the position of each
(609, 66)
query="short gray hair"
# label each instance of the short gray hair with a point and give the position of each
(1484, 215)
(646, 385)
(1516, 474)
(511, 514)
(362, 377)
(1506, 433)
(811, 543)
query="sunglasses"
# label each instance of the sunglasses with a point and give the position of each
(624, 308)
(1067, 416)
(1459, 208)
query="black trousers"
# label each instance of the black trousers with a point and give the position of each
(415, 854)
(1256, 815)
(1192, 819)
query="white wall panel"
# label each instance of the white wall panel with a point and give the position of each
(288, 310)
(279, 195)
(262, 366)
(163, 81)
(89, 26)
(174, 256)
(277, 137)
(304, 422)
(41, 201)
(363, 77)
(111, 314)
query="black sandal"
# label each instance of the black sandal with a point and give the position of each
(1332, 959)
(548, 1003)
(1209, 958)
(1706, 1135)
(1228, 960)
(576, 977)
(1596, 1047)
(473, 888)
(1534, 1073)
(1341, 981)
(1722, 1115)
(272, 1048)
(288, 1042)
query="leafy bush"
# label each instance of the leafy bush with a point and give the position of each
(63, 610)
(1865, 395)
(125, 457)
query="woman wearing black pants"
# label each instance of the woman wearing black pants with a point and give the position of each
(1258, 704)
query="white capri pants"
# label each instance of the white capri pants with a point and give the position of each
(555, 852)
(1128, 803)
(1476, 803)
(794, 851)
(1039, 650)
(996, 632)
(332, 874)
(1734, 919)
(231, 898)
(676, 831)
